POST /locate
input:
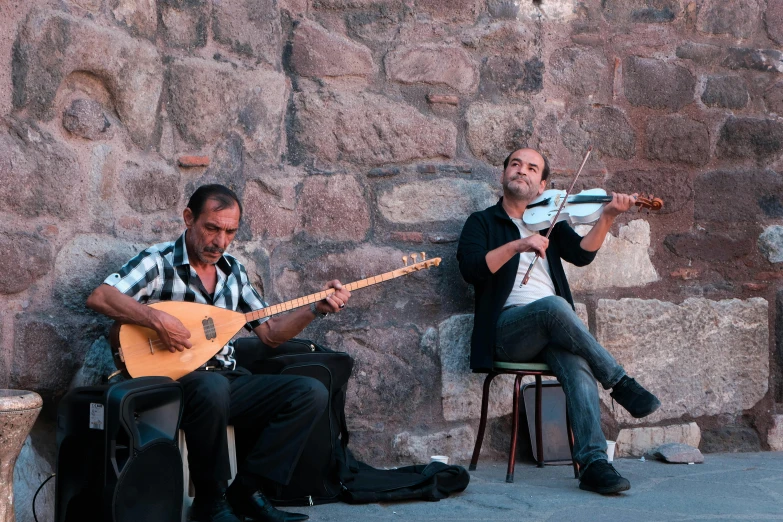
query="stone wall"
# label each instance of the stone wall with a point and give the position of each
(357, 131)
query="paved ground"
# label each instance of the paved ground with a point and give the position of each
(740, 486)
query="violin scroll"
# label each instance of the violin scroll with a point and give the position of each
(649, 202)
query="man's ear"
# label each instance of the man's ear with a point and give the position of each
(187, 216)
(542, 187)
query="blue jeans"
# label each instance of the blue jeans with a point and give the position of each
(548, 330)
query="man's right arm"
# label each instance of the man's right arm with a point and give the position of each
(112, 303)
(477, 262)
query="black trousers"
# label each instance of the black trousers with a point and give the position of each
(274, 415)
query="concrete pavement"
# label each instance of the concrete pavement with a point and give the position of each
(738, 486)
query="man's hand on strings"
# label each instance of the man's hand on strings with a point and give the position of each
(171, 332)
(336, 301)
(620, 203)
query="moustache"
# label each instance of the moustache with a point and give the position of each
(214, 250)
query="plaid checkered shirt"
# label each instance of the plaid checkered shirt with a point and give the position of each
(163, 273)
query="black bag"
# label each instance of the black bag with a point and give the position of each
(315, 480)
(327, 471)
(364, 484)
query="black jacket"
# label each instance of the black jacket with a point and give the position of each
(485, 231)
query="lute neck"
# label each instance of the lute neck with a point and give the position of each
(314, 298)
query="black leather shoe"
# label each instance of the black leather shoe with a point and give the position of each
(601, 477)
(215, 509)
(631, 396)
(256, 507)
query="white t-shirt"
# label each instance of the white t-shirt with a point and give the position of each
(540, 283)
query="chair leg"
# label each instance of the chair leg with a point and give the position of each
(482, 422)
(512, 454)
(539, 422)
(571, 444)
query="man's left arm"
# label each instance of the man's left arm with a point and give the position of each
(276, 330)
(620, 203)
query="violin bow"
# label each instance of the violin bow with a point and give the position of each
(554, 221)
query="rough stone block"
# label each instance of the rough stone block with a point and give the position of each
(26, 259)
(728, 92)
(45, 356)
(737, 18)
(438, 64)
(52, 45)
(709, 246)
(773, 20)
(84, 262)
(207, 99)
(31, 469)
(678, 453)
(495, 130)
(443, 199)
(369, 129)
(189, 161)
(688, 354)
(334, 208)
(271, 205)
(606, 128)
(773, 99)
(506, 75)
(635, 442)
(745, 195)
(250, 27)
(86, 119)
(751, 138)
(672, 184)
(700, 53)
(640, 11)
(456, 443)
(317, 52)
(139, 16)
(654, 83)
(730, 439)
(461, 389)
(770, 243)
(582, 71)
(775, 433)
(453, 10)
(678, 139)
(184, 22)
(767, 60)
(623, 261)
(150, 186)
(391, 376)
(98, 364)
(39, 176)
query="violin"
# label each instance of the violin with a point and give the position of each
(580, 209)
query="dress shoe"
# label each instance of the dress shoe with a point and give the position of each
(256, 507)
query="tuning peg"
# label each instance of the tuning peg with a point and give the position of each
(405, 260)
(414, 256)
(423, 256)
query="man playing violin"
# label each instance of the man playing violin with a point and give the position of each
(536, 322)
(284, 408)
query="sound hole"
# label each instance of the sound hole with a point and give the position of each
(209, 328)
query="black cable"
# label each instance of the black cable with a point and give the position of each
(37, 491)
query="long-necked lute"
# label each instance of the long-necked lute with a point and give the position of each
(139, 353)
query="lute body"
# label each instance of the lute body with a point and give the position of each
(139, 353)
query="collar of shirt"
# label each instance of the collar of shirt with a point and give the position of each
(180, 256)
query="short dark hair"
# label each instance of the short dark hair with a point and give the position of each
(225, 197)
(544, 172)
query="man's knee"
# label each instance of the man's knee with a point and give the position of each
(207, 391)
(311, 392)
